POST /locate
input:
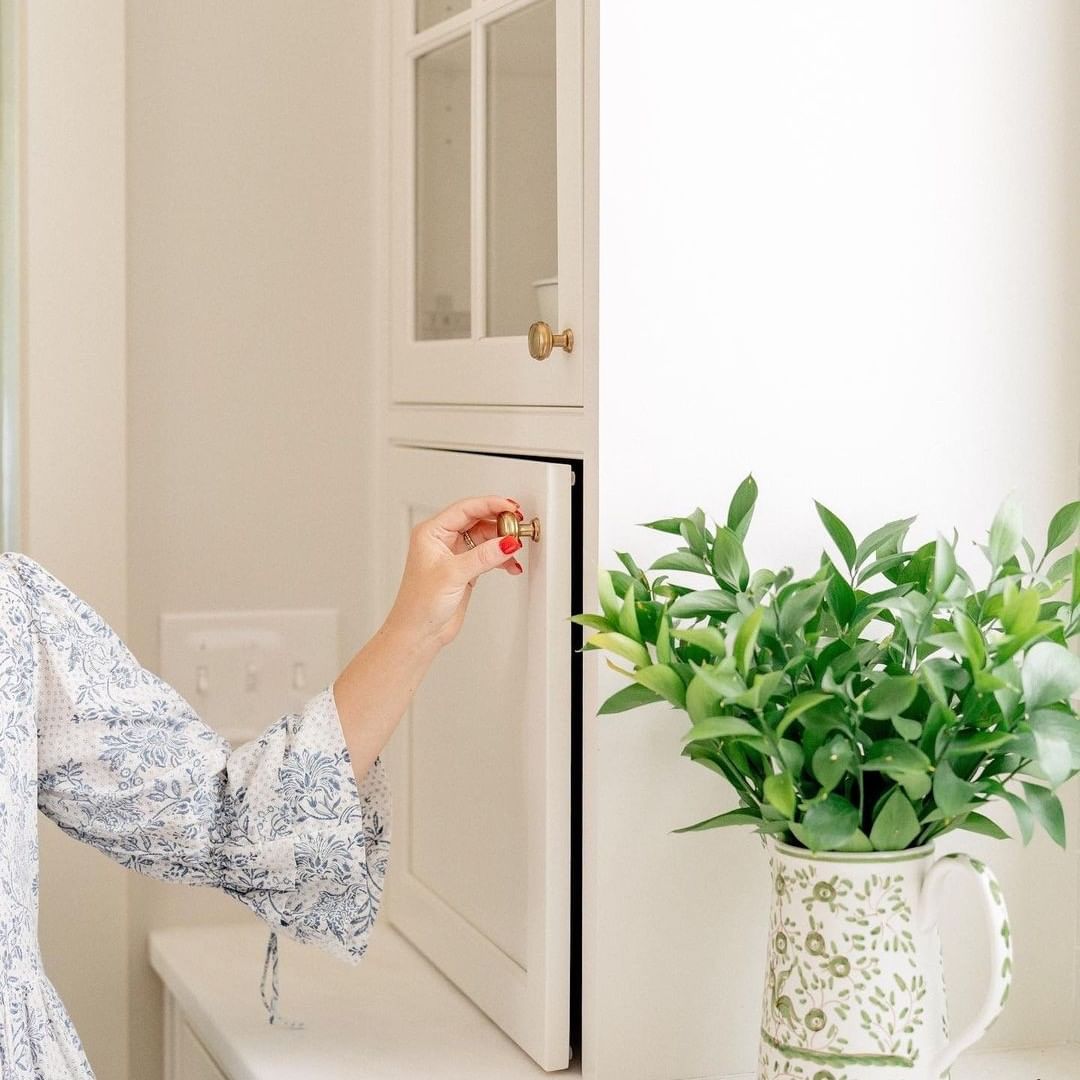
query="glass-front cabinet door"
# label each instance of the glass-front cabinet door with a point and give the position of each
(486, 250)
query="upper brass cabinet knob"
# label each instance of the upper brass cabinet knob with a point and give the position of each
(542, 340)
(508, 525)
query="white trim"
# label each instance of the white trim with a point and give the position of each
(12, 242)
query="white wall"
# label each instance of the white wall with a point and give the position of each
(250, 302)
(73, 463)
(838, 246)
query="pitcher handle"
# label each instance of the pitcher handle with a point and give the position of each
(1000, 940)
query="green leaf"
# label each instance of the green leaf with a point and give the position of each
(732, 817)
(979, 742)
(906, 728)
(720, 727)
(916, 785)
(663, 640)
(728, 559)
(1024, 817)
(694, 536)
(885, 536)
(707, 637)
(693, 605)
(827, 824)
(664, 681)
(766, 684)
(629, 697)
(1049, 673)
(858, 842)
(798, 705)
(628, 621)
(780, 792)
(951, 793)
(840, 597)
(896, 824)
(800, 607)
(979, 823)
(791, 753)
(1020, 611)
(665, 525)
(609, 598)
(1062, 525)
(840, 533)
(1076, 578)
(1052, 756)
(895, 756)
(974, 646)
(746, 639)
(832, 761)
(621, 645)
(592, 620)
(741, 508)
(1005, 532)
(1046, 807)
(890, 697)
(1060, 725)
(681, 560)
(944, 565)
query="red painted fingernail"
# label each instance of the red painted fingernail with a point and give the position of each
(519, 568)
(520, 515)
(508, 544)
(514, 501)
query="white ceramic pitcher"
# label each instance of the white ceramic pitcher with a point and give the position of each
(855, 984)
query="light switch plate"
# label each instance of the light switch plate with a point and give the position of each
(242, 670)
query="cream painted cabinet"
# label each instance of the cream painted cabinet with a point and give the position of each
(185, 1056)
(486, 192)
(482, 760)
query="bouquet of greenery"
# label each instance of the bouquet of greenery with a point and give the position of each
(875, 705)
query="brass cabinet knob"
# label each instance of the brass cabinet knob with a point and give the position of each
(508, 525)
(542, 340)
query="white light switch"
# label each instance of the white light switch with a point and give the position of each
(242, 670)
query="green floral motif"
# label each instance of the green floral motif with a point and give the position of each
(835, 945)
(893, 1014)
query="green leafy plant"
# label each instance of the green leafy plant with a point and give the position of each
(875, 705)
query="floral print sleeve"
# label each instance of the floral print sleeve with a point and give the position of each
(126, 764)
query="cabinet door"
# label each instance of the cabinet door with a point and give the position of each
(487, 200)
(481, 761)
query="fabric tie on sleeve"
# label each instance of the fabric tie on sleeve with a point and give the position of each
(270, 967)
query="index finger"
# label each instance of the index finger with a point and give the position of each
(461, 514)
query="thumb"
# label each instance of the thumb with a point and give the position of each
(488, 555)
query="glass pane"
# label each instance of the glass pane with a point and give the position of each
(522, 248)
(430, 12)
(442, 192)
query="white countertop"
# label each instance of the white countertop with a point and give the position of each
(392, 1017)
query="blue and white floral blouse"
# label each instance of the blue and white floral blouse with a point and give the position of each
(119, 759)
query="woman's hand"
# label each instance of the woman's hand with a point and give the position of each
(441, 569)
